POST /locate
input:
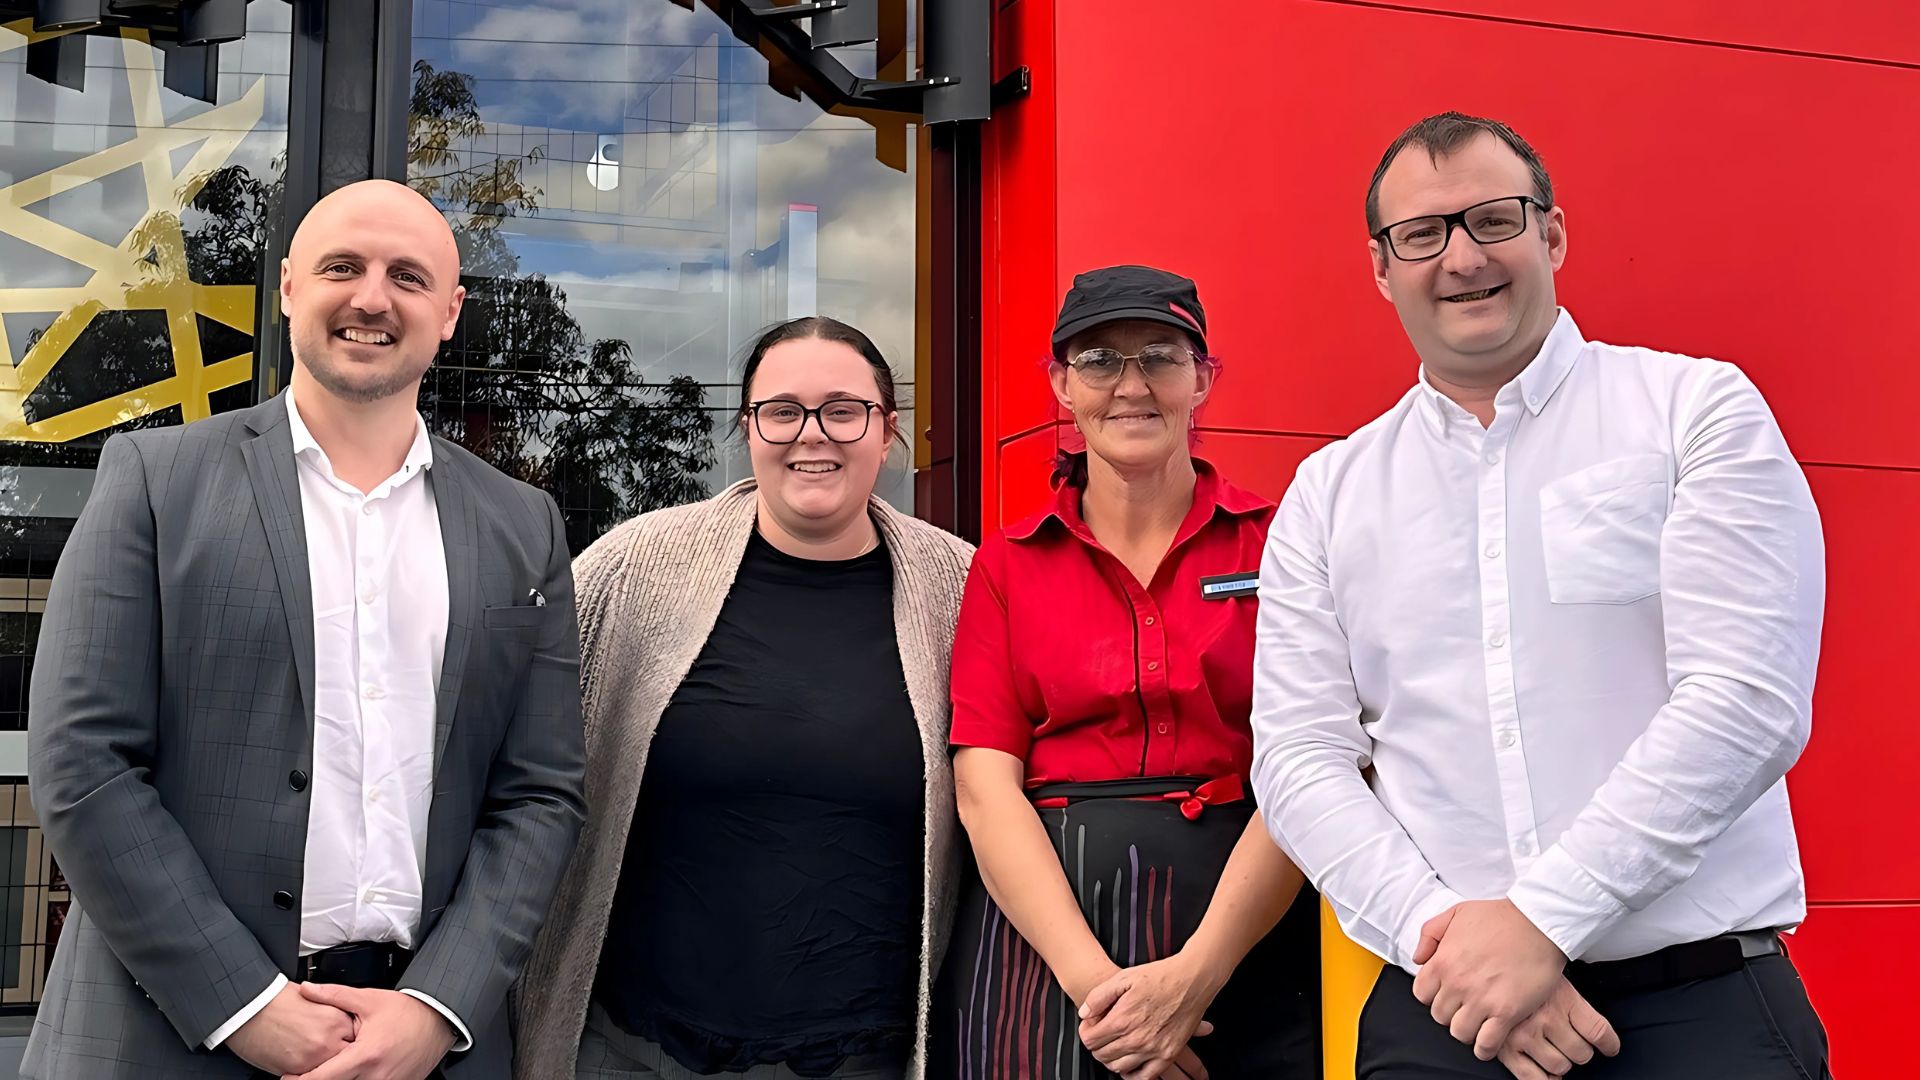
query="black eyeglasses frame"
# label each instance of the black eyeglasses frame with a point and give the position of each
(1457, 219)
(820, 421)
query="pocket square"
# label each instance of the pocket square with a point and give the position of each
(538, 599)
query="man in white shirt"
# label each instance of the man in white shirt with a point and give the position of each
(1536, 648)
(305, 722)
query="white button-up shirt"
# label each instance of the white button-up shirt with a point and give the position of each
(379, 574)
(1565, 658)
(378, 571)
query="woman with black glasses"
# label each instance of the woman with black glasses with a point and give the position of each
(776, 894)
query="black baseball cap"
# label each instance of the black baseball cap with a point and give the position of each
(1130, 292)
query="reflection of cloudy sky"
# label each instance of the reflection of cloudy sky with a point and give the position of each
(866, 253)
(558, 63)
(708, 159)
(674, 277)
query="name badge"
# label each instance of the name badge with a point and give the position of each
(1225, 586)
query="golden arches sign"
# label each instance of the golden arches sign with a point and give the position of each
(147, 270)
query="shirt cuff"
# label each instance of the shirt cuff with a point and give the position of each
(1565, 903)
(1441, 899)
(1008, 740)
(464, 1039)
(251, 1010)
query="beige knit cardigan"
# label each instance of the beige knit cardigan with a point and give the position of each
(649, 593)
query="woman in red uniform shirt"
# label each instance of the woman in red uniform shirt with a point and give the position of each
(1102, 678)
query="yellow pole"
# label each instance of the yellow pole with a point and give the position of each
(1347, 973)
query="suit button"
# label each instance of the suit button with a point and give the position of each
(297, 780)
(283, 900)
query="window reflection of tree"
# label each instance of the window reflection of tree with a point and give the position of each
(234, 209)
(520, 384)
(224, 229)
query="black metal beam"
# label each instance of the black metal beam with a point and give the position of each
(190, 70)
(210, 22)
(1013, 86)
(176, 26)
(958, 41)
(948, 492)
(393, 89)
(300, 189)
(61, 61)
(798, 11)
(192, 22)
(50, 15)
(851, 22)
(958, 36)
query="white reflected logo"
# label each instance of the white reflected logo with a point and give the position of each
(603, 169)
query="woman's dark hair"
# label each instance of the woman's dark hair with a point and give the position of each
(822, 328)
(1069, 468)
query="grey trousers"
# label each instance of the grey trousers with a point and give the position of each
(608, 1053)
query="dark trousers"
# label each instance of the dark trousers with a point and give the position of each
(1752, 1024)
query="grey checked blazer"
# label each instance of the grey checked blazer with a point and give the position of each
(172, 704)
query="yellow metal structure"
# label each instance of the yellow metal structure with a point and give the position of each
(146, 271)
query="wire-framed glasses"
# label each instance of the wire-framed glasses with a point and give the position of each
(1422, 238)
(1101, 368)
(842, 420)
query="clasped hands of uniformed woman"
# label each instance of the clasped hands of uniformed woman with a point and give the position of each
(1141, 1020)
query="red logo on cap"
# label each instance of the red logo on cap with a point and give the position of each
(1183, 313)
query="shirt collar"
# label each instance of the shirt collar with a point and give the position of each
(1543, 377)
(1534, 386)
(419, 456)
(1212, 494)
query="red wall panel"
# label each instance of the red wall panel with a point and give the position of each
(1020, 187)
(1862, 29)
(1025, 465)
(1720, 201)
(1856, 962)
(1259, 463)
(1852, 790)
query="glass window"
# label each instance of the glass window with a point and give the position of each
(134, 222)
(17, 924)
(34, 899)
(634, 203)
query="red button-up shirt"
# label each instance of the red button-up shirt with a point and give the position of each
(1064, 660)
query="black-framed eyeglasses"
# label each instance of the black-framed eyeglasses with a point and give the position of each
(1422, 238)
(842, 420)
(1101, 368)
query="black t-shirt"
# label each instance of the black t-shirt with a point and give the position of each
(769, 906)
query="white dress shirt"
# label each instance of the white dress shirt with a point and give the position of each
(1575, 649)
(378, 570)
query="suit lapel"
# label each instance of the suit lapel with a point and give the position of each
(276, 492)
(459, 533)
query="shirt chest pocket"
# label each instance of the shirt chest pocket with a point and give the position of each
(1600, 531)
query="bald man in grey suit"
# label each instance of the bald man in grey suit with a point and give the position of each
(305, 718)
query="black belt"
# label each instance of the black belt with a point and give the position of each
(1193, 793)
(1125, 787)
(1674, 964)
(375, 965)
